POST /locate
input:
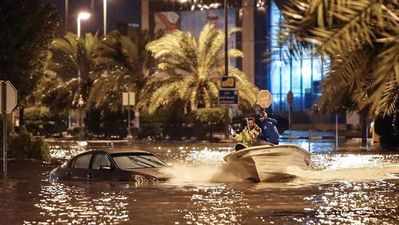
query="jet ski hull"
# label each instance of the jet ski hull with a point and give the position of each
(267, 162)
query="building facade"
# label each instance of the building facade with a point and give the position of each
(286, 72)
(265, 62)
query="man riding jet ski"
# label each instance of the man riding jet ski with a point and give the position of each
(252, 134)
(268, 126)
(259, 129)
(263, 120)
(259, 156)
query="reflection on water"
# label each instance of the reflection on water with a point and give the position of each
(356, 203)
(66, 149)
(343, 189)
(314, 146)
(215, 205)
(68, 204)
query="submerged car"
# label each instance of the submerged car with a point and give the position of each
(111, 165)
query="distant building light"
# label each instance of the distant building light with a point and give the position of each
(133, 25)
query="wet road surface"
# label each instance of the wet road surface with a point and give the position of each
(347, 188)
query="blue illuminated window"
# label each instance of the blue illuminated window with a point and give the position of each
(301, 75)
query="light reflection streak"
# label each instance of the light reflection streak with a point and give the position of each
(214, 205)
(342, 161)
(355, 203)
(60, 203)
(62, 151)
(313, 146)
(206, 155)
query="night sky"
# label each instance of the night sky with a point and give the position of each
(119, 11)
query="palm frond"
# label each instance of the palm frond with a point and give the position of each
(346, 31)
(189, 71)
(389, 99)
(163, 96)
(348, 82)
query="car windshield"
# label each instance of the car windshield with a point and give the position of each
(137, 161)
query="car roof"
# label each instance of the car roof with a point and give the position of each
(124, 150)
(115, 150)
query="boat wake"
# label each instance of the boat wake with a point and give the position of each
(186, 174)
(183, 173)
(381, 172)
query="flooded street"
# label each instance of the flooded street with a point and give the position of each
(345, 188)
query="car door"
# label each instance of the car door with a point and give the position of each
(80, 167)
(101, 168)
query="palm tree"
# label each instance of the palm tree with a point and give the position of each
(189, 70)
(124, 64)
(24, 45)
(360, 38)
(67, 56)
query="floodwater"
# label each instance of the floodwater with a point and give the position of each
(344, 188)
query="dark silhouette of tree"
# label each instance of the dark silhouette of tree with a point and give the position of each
(27, 26)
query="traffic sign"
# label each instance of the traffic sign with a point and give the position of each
(228, 97)
(128, 98)
(264, 99)
(8, 96)
(8, 101)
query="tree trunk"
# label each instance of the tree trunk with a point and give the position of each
(210, 131)
(21, 116)
(364, 126)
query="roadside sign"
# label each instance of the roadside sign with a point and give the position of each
(128, 98)
(8, 102)
(264, 99)
(228, 82)
(10, 98)
(228, 97)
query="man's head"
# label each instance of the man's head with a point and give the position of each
(251, 122)
(263, 116)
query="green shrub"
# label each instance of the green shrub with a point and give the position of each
(40, 150)
(24, 146)
(40, 121)
(19, 144)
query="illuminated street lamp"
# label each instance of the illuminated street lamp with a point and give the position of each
(82, 16)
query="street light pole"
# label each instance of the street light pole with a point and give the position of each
(66, 15)
(78, 28)
(105, 17)
(226, 39)
(81, 16)
(3, 95)
(226, 49)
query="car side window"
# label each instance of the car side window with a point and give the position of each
(82, 162)
(100, 160)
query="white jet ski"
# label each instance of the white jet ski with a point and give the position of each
(267, 162)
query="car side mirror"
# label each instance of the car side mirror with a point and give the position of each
(105, 168)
